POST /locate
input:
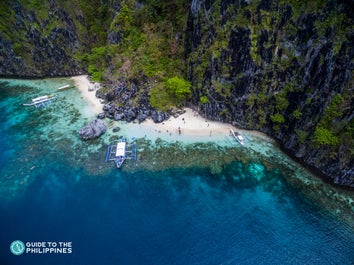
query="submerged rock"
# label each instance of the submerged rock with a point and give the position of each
(116, 129)
(93, 130)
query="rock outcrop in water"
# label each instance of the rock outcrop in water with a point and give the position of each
(93, 130)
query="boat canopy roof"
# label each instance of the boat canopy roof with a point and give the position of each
(120, 149)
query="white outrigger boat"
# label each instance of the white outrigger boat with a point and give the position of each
(238, 137)
(120, 152)
(63, 87)
(41, 101)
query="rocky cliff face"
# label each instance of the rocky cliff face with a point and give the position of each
(40, 40)
(282, 68)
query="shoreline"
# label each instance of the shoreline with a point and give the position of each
(189, 126)
(190, 123)
(82, 83)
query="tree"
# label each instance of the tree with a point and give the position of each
(178, 87)
(203, 99)
(322, 136)
(277, 118)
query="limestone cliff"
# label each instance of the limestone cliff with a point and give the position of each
(47, 38)
(282, 67)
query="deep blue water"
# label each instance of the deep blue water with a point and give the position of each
(172, 216)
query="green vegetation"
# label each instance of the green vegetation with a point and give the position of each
(203, 100)
(170, 93)
(149, 47)
(301, 136)
(299, 7)
(179, 88)
(223, 89)
(325, 133)
(160, 99)
(97, 16)
(281, 103)
(96, 62)
(297, 114)
(7, 20)
(251, 100)
(332, 21)
(332, 111)
(277, 118)
(261, 118)
(18, 48)
(262, 99)
(254, 48)
(323, 136)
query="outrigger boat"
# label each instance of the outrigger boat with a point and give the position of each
(63, 87)
(238, 137)
(41, 101)
(121, 151)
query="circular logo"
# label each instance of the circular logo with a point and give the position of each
(17, 247)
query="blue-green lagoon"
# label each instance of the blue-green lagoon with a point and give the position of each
(181, 202)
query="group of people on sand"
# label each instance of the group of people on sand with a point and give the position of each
(179, 129)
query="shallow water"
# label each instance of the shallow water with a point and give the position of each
(238, 206)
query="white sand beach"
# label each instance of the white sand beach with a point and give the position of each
(83, 84)
(189, 126)
(191, 123)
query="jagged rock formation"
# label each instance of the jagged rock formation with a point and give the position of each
(93, 130)
(282, 68)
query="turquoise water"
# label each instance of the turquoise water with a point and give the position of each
(239, 206)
